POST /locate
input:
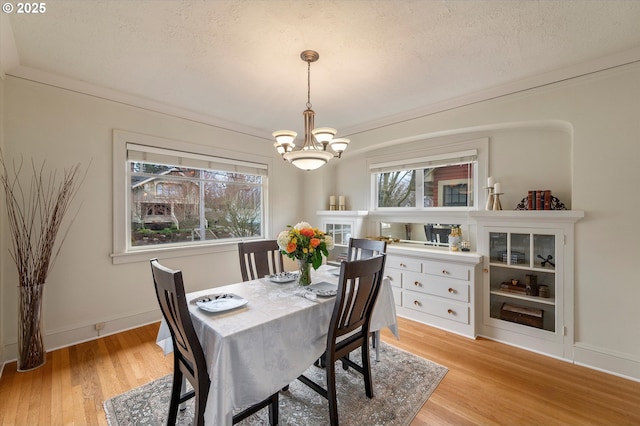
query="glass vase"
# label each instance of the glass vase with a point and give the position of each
(304, 273)
(31, 350)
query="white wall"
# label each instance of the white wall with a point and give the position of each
(85, 287)
(591, 155)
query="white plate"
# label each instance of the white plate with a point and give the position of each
(220, 302)
(323, 289)
(283, 277)
(326, 293)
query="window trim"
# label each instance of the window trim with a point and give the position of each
(433, 155)
(120, 253)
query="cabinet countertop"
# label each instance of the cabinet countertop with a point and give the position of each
(409, 249)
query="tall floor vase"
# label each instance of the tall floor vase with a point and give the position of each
(31, 350)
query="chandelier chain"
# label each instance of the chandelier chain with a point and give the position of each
(309, 85)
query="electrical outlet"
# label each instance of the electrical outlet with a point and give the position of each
(99, 326)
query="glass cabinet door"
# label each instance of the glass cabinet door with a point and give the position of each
(341, 232)
(497, 246)
(544, 249)
(519, 254)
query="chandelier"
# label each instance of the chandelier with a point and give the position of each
(313, 153)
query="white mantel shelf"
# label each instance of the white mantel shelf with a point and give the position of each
(343, 213)
(555, 216)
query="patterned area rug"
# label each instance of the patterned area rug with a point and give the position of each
(402, 383)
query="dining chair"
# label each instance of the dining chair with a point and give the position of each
(259, 258)
(358, 288)
(362, 248)
(188, 357)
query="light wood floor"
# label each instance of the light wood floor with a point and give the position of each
(488, 383)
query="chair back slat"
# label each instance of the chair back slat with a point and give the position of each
(259, 258)
(362, 248)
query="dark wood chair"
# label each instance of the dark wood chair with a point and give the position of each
(188, 356)
(358, 289)
(259, 258)
(362, 248)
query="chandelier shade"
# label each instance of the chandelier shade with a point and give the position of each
(308, 159)
(313, 153)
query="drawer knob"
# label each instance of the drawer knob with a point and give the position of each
(417, 284)
(451, 290)
(445, 272)
(402, 265)
(450, 311)
(415, 302)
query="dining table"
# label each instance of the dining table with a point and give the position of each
(256, 349)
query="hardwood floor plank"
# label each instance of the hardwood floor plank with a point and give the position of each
(9, 396)
(107, 375)
(488, 383)
(57, 386)
(45, 403)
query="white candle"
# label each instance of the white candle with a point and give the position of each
(332, 200)
(490, 182)
(341, 200)
(497, 189)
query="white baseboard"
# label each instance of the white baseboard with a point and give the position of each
(606, 361)
(57, 339)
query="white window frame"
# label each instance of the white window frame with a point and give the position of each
(122, 251)
(418, 163)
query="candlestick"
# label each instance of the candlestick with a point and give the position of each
(496, 202)
(341, 204)
(489, 205)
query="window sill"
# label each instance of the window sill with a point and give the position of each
(148, 253)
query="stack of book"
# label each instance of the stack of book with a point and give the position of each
(539, 200)
(511, 288)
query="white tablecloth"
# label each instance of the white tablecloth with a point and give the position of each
(256, 350)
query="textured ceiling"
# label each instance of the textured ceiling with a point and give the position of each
(238, 61)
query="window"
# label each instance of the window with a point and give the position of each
(183, 199)
(443, 181)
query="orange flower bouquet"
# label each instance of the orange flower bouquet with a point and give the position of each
(306, 244)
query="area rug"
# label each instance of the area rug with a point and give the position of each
(402, 383)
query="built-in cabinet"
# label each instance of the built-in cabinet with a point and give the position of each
(517, 287)
(435, 286)
(342, 225)
(527, 291)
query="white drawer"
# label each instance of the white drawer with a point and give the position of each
(448, 270)
(435, 306)
(437, 286)
(397, 296)
(404, 263)
(395, 276)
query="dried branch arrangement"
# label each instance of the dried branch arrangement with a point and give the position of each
(35, 220)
